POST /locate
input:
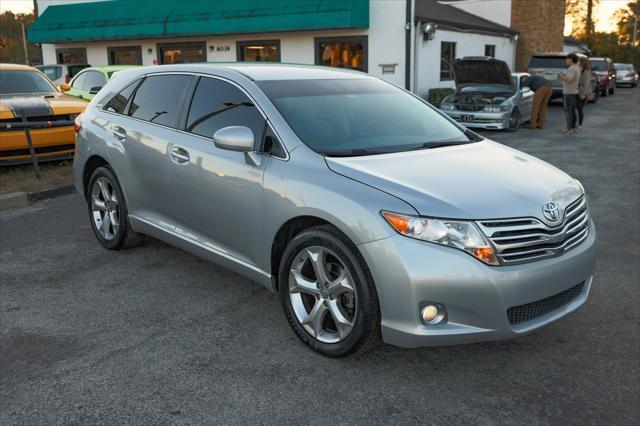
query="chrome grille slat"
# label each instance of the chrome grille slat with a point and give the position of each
(519, 240)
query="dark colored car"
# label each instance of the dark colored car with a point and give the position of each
(605, 72)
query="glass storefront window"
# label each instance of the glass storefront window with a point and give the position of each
(258, 51)
(342, 52)
(125, 55)
(182, 53)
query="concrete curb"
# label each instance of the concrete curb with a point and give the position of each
(22, 199)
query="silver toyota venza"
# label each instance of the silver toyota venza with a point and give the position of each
(371, 214)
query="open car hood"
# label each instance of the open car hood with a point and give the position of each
(482, 72)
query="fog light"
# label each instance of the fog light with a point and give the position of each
(432, 314)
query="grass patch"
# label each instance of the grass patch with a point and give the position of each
(23, 178)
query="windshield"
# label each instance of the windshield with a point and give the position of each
(624, 67)
(18, 81)
(341, 117)
(599, 65)
(547, 62)
(52, 71)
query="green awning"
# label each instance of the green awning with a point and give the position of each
(138, 19)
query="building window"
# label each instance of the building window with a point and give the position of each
(342, 52)
(258, 51)
(72, 56)
(125, 55)
(490, 50)
(447, 56)
(182, 53)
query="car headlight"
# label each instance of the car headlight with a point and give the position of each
(459, 234)
(494, 108)
(447, 107)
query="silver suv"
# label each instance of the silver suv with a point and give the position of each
(368, 211)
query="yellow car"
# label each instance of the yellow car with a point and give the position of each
(25, 91)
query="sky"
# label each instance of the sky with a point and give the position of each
(604, 12)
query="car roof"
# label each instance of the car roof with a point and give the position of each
(261, 71)
(599, 58)
(6, 67)
(110, 68)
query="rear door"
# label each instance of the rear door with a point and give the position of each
(217, 194)
(141, 135)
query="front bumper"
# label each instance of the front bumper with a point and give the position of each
(409, 273)
(482, 120)
(48, 144)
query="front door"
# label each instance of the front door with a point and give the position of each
(217, 194)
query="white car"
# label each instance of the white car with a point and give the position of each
(61, 73)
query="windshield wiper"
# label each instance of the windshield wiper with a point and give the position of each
(439, 144)
(348, 153)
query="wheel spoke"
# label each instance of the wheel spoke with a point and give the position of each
(98, 204)
(104, 189)
(343, 325)
(316, 317)
(299, 284)
(113, 216)
(106, 224)
(340, 285)
(318, 259)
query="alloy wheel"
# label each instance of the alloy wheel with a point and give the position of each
(104, 208)
(323, 294)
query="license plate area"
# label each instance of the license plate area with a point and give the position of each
(466, 118)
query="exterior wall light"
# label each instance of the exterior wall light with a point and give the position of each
(429, 30)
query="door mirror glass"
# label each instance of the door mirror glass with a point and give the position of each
(234, 138)
(95, 90)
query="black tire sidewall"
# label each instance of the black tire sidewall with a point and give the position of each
(517, 112)
(116, 242)
(367, 308)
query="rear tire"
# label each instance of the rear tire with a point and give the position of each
(327, 293)
(108, 212)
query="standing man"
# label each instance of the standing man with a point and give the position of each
(543, 91)
(570, 81)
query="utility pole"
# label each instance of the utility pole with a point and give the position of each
(24, 44)
(635, 31)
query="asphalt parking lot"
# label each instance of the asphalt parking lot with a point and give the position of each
(156, 336)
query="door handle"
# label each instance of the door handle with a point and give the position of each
(119, 133)
(179, 155)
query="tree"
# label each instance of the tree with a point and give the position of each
(11, 47)
(583, 23)
(628, 21)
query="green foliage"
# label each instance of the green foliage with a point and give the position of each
(436, 96)
(11, 48)
(608, 44)
(625, 19)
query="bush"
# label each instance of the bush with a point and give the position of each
(436, 96)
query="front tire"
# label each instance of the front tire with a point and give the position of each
(515, 120)
(612, 90)
(327, 293)
(108, 212)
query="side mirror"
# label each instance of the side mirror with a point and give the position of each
(65, 87)
(94, 90)
(234, 138)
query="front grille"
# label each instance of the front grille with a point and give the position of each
(39, 118)
(470, 107)
(528, 239)
(529, 311)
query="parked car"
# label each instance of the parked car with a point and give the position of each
(488, 95)
(89, 81)
(369, 212)
(26, 93)
(626, 74)
(604, 70)
(61, 73)
(549, 66)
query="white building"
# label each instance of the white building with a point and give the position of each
(385, 38)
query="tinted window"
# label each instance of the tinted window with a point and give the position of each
(14, 81)
(53, 72)
(94, 79)
(547, 62)
(79, 81)
(359, 116)
(217, 104)
(119, 101)
(159, 99)
(599, 65)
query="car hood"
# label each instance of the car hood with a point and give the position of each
(39, 105)
(482, 72)
(481, 180)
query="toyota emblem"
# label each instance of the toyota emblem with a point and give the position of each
(551, 212)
